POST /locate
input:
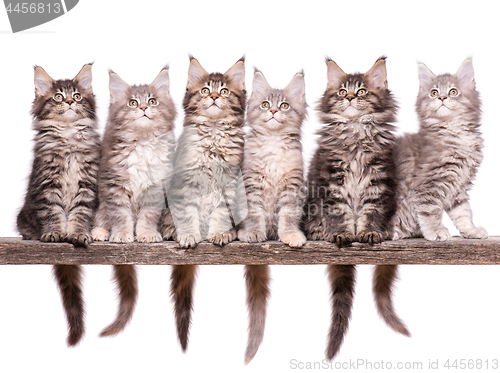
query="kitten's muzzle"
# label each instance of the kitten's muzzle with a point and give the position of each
(442, 98)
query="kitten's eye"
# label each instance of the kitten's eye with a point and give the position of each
(205, 91)
(342, 93)
(265, 105)
(152, 101)
(77, 96)
(361, 92)
(224, 91)
(284, 106)
(434, 93)
(58, 97)
(453, 92)
(133, 103)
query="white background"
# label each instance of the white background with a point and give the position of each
(452, 311)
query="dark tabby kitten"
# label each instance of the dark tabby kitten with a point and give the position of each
(207, 162)
(351, 184)
(62, 193)
(274, 178)
(137, 160)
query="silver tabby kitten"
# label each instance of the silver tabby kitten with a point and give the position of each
(351, 185)
(436, 165)
(273, 175)
(62, 193)
(207, 162)
(137, 161)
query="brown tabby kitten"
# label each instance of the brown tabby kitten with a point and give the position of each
(137, 161)
(207, 164)
(62, 193)
(351, 184)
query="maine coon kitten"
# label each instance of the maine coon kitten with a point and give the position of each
(137, 161)
(351, 185)
(207, 163)
(436, 165)
(62, 193)
(274, 179)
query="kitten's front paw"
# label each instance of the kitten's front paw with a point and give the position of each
(221, 239)
(79, 239)
(340, 238)
(294, 239)
(148, 236)
(188, 240)
(371, 237)
(441, 234)
(53, 236)
(251, 236)
(99, 234)
(477, 232)
(122, 237)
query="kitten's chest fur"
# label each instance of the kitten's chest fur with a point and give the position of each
(220, 142)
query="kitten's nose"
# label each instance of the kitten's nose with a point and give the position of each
(143, 108)
(442, 98)
(350, 98)
(69, 101)
(214, 96)
(274, 111)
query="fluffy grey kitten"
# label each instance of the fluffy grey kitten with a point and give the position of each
(351, 185)
(62, 193)
(137, 161)
(274, 183)
(207, 169)
(436, 165)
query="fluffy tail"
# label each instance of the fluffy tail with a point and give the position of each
(342, 280)
(126, 280)
(257, 281)
(181, 290)
(384, 277)
(69, 280)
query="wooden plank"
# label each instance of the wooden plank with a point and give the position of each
(415, 251)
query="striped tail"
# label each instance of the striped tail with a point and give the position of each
(69, 280)
(126, 280)
(342, 280)
(384, 277)
(182, 283)
(257, 282)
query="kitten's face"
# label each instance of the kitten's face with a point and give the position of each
(215, 95)
(445, 96)
(354, 95)
(64, 100)
(276, 109)
(140, 105)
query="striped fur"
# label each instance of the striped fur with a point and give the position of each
(207, 183)
(274, 180)
(137, 162)
(436, 165)
(351, 180)
(62, 193)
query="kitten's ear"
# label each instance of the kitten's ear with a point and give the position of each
(84, 77)
(43, 82)
(425, 77)
(296, 89)
(378, 74)
(117, 87)
(237, 73)
(465, 74)
(260, 85)
(334, 74)
(195, 72)
(162, 82)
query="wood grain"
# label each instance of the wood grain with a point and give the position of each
(415, 251)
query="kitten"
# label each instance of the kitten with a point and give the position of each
(351, 184)
(137, 160)
(204, 192)
(62, 193)
(273, 175)
(436, 165)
